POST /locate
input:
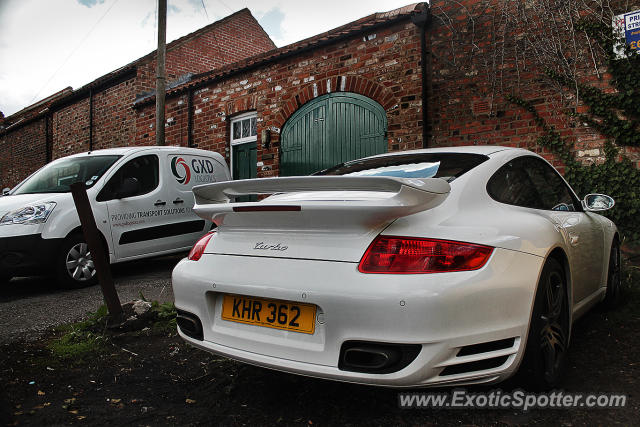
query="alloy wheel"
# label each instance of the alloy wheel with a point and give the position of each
(554, 331)
(79, 263)
(615, 274)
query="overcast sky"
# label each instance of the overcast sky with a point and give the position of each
(47, 45)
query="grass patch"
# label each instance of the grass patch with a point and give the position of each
(77, 340)
(165, 315)
(91, 336)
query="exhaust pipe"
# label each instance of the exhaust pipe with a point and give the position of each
(370, 358)
(190, 325)
(376, 358)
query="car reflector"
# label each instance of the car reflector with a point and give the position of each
(401, 255)
(198, 249)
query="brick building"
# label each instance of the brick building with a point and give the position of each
(101, 114)
(355, 90)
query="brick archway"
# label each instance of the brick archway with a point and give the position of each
(355, 84)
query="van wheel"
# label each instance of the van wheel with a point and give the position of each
(74, 266)
(614, 278)
(548, 340)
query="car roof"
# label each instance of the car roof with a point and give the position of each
(121, 151)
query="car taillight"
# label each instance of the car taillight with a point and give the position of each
(401, 255)
(198, 249)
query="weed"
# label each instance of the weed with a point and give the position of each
(91, 336)
(81, 338)
(166, 317)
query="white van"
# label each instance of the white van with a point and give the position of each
(141, 199)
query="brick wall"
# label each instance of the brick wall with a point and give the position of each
(113, 116)
(114, 120)
(233, 38)
(384, 68)
(20, 152)
(472, 70)
(481, 54)
(71, 129)
(478, 56)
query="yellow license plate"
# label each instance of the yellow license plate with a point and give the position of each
(287, 315)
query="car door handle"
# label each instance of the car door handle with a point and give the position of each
(159, 203)
(178, 201)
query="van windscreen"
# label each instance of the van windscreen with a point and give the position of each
(57, 177)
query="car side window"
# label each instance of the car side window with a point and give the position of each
(530, 182)
(511, 185)
(143, 169)
(554, 193)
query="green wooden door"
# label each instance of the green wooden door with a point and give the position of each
(331, 129)
(245, 157)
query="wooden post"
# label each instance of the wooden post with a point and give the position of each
(98, 255)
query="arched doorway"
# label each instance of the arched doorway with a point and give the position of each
(331, 129)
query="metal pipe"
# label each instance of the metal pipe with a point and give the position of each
(91, 119)
(48, 137)
(421, 19)
(423, 64)
(190, 118)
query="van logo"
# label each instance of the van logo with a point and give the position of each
(182, 179)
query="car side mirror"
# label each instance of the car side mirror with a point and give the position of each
(597, 202)
(130, 187)
(5, 191)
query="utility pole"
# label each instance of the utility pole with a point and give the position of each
(160, 70)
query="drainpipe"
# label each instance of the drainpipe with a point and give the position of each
(91, 119)
(190, 118)
(421, 18)
(48, 137)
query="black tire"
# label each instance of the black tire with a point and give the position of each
(548, 340)
(614, 277)
(74, 266)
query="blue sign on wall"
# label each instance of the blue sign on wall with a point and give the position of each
(632, 29)
(626, 27)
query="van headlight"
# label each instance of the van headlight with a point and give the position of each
(34, 214)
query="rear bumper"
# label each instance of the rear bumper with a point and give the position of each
(27, 255)
(440, 312)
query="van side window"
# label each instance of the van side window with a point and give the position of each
(143, 169)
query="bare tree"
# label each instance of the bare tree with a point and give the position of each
(512, 43)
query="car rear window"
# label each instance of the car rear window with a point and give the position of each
(447, 166)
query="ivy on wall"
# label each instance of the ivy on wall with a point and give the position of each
(616, 116)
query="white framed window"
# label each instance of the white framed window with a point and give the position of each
(244, 128)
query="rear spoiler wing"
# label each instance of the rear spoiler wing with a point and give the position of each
(365, 200)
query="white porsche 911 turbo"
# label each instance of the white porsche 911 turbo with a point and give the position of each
(432, 267)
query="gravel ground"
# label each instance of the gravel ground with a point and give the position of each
(154, 378)
(28, 306)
